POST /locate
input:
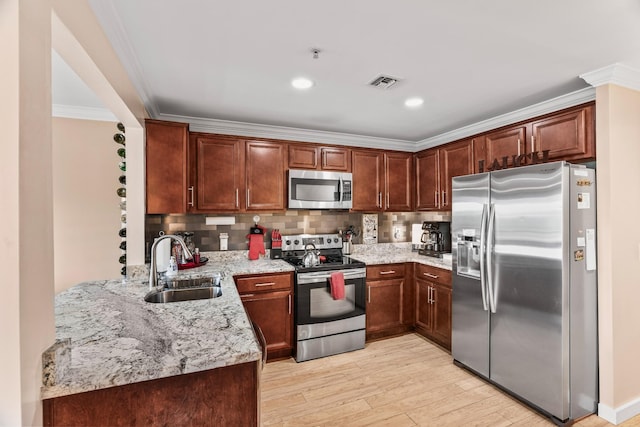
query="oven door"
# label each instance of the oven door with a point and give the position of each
(314, 303)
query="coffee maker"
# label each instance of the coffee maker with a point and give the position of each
(436, 238)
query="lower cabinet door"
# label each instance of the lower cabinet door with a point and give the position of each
(424, 308)
(442, 315)
(384, 304)
(272, 312)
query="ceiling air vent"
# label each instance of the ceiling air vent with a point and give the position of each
(383, 82)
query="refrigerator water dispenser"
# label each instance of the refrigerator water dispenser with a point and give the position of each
(468, 257)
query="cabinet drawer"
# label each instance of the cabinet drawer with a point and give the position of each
(385, 271)
(433, 274)
(263, 282)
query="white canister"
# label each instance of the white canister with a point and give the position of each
(163, 252)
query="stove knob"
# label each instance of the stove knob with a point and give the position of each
(288, 242)
(335, 240)
(296, 242)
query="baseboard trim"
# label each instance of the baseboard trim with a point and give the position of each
(620, 414)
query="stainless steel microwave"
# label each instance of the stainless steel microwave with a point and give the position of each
(319, 189)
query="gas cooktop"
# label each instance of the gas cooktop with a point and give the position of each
(329, 247)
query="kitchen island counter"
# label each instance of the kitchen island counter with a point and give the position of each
(107, 335)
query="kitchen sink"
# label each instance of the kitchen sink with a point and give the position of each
(183, 294)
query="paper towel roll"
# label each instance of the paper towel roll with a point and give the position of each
(163, 253)
(416, 234)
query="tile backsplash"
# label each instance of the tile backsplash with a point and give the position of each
(393, 226)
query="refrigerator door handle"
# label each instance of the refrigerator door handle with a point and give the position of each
(483, 278)
(489, 257)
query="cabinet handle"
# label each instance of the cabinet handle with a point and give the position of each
(533, 143)
(289, 303)
(257, 285)
(247, 295)
(387, 272)
(433, 295)
(387, 200)
(437, 196)
(369, 296)
(518, 146)
(248, 197)
(429, 295)
(433, 276)
(237, 200)
(380, 199)
(444, 198)
(190, 196)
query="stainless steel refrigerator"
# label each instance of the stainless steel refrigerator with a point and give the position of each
(524, 284)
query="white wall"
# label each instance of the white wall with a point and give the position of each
(86, 211)
(26, 235)
(618, 180)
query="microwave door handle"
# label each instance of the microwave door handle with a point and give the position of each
(340, 188)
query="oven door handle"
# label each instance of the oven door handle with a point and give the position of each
(321, 276)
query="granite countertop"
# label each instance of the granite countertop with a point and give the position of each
(391, 253)
(107, 335)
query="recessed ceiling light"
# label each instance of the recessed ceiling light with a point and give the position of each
(413, 102)
(301, 83)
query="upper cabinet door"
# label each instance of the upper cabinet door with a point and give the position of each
(219, 173)
(398, 182)
(367, 168)
(166, 167)
(335, 159)
(567, 136)
(504, 143)
(427, 180)
(309, 156)
(265, 175)
(455, 160)
(303, 156)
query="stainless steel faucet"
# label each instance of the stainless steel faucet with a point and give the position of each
(153, 273)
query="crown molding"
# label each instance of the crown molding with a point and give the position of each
(83, 113)
(549, 106)
(228, 127)
(617, 74)
(112, 25)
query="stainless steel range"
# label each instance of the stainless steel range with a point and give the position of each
(324, 325)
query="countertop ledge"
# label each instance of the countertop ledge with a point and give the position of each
(392, 253)
(107, 335)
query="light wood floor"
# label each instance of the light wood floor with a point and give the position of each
(401, 381)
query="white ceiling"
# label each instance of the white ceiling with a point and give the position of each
(470, 60)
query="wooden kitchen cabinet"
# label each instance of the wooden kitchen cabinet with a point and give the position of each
(427, 180)
(368, 180)
(398, 178)
(505, 143)
(568, 135)
(234, 175)
(166, 166)
(218, 174)
(434, 170)
(223, 396)
(382, 181)
(265, 175)
(433, 304)
(310, 156)
(387, 296)
(268, 300)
